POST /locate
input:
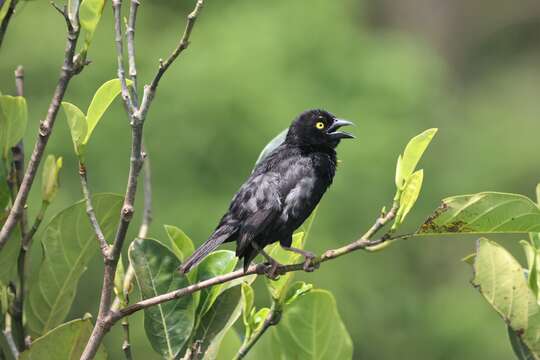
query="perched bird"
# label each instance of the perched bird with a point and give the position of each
(282, 191)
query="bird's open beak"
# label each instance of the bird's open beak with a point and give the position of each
(337, 135)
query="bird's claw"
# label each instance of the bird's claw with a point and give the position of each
(310, 264)
(272, 270)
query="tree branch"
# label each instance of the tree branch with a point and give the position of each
(6, 19)
(92, 214)
(68, 70)
(261, 269)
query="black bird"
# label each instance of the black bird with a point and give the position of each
(282, 191)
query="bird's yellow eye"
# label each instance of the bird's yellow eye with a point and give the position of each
(319, 125)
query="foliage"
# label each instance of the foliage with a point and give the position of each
(207, 321)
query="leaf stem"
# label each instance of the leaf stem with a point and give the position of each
(273, 318)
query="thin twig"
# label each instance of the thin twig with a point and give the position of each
(6, 19)
(68, 70)
(272, 319)
(91, 212)
(130, 34)
(117, 10)
(182, 45)
(126, 345)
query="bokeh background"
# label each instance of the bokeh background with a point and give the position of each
(470, 68)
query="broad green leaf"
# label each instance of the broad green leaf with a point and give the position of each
(248, 297)
(296, 290)
(218, 321)
(311, 328)
(229, 346)
(168, 325)
(487, 212)
(409, 196)
(181, 244)
(68, 243)
(65, 342)
(8, 257)
(217, 263)
(532, 261)
(411, 156)
(49, 176)
(101, 101)
(4, 9)
(499, 278)
(119, 277)
(272, 145)
(77, 125)
(13, 121)
(90, 14)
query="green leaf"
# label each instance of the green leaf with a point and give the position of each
(296, 290)
(311, 328)
(4, 9)
(6, 299)
(68, 243)
(248, 297)
(13, 121)
(538, 193)
(218, 321)
(49, 176)
(5, 194)
(181, 244)
(8, 257)
(409, 196)
(535, 239)
(217, 263)
(532, 261)
(119, 277)
(77, 125)
(259, 317)
(487, 212)
(90, 14)
(103, 98)
(272, 145)
(168, 325)
(499, 278)
(66, 342)
(411, 156)
(229, 346)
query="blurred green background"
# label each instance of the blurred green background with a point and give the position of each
(470, 68)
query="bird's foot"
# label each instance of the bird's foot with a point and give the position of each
(272, 268)
(310, 263)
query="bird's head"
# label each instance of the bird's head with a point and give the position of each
(317, 127)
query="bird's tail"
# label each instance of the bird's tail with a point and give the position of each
(206, 248)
